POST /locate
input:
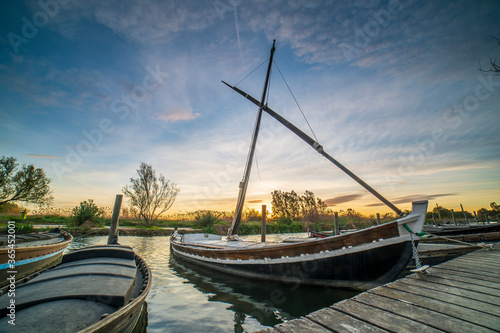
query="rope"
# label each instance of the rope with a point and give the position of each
(290, 90)
(460, 242)
(416, 257)
(252, 72)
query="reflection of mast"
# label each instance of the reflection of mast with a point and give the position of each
(233, 231)
(317, 147)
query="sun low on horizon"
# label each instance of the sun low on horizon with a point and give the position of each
(398, 92)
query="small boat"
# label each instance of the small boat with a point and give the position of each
(95, 289)
(358, 260)
(467, 229)
(23, 254)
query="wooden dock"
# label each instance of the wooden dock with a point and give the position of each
(461, 295)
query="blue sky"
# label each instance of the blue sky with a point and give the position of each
(89, 89)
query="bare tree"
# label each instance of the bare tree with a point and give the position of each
(495, 66)
(151, 195)
(28, 184)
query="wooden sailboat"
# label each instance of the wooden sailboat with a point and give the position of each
(358, 260)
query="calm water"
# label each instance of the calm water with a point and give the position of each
(186, 298)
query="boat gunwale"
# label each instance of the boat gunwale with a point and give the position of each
(104, 325)
(360, 237)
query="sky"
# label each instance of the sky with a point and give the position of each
(391, 89)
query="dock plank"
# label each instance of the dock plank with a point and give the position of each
(301, 325)
(461, 300)
(341, 322)
(453, 310)
(386, 320)
(478, 262)
(468, 273)
(460, 277)
(489, 299)
(469, 268)
(460, 284)
(419, 314)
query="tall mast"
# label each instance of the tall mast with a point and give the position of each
(318, 148)
(244, 183)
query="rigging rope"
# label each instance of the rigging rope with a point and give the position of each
(251, 72)
(290, 90)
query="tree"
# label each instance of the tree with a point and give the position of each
(291, 205)
(28, 184)
(495, 66)
(151, 195)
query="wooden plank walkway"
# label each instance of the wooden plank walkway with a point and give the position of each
(461, 295)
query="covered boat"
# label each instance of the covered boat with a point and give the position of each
(359, 260)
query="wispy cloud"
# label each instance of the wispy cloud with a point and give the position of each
(42, 156)
(416, 197)
(179, 114)
(342, 199)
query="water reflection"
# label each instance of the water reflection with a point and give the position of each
(185, 297)
(268, 302)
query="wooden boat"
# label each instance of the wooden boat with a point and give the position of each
(23, 254)
(467, 229)
(358, 260)
(96, 289)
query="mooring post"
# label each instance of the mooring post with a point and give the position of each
(336, 222)
(453, 216)
(463, 211)
(475, 217)
(263, 225)
(378, 218)
(113, 229)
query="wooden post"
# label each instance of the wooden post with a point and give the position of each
(113, 229)
(378, 218)
(263, 226)
(463, 211)
(453, 216)
(475, 216)
(336, 221)
(486, 217)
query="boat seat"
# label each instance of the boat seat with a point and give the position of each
(118, 251)
(69, 315)
(90, 276)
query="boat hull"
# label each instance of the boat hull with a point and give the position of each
(354, 270)
(95, 289)
(31, 256)
(359, 260)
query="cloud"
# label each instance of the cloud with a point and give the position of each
(150, 21)
(415, 197)
(179, 114)
(42, 156)
(342, 199)
(255, 201)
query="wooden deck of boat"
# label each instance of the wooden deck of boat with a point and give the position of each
(461, 295)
